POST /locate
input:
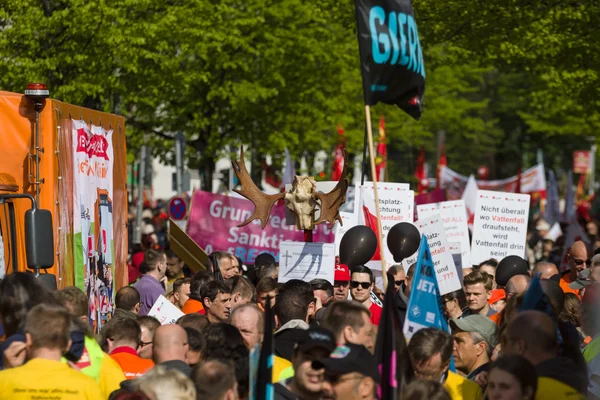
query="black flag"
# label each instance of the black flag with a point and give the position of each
(391, 56)
(395, 368)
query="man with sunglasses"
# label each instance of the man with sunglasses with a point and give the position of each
(578, 262)
(351, 371)
(361, 284)
(307, 382)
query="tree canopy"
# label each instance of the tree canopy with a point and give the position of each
(502, 79)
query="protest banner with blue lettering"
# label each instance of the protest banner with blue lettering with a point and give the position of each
(391, 55)
(425, 306)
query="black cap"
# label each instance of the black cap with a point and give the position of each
(348, 358)
(315, 337)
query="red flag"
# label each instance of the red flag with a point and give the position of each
(381, 157)
(371, 222)
(580, 188)
(338, 162)
(420, 173)
(442, 162)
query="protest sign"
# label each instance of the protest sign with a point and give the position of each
(500, 226)
(532, 180)
(427, 210)
(425, 307)
(306, 261)
(456, 251)
(396, 204)
(213, 225)
(443, 263)
(165, 311)
(454, 218)
(554, 233)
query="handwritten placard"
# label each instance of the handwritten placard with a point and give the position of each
(443, 263)
(306, 261)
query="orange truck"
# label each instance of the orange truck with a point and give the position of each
(63, 195)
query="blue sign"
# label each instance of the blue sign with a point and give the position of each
(425, 306)
(177, 208)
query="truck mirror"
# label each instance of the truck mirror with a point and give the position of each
(39, 239)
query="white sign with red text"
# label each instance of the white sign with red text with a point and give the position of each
(165, 311)
(445, 269)
(454, 218)
(500, 226)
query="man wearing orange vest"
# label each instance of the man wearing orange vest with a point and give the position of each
(578, 261)
(123, 340)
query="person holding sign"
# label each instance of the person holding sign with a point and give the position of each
(361, 284)
(478, 290)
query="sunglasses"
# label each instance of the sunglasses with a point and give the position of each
(398, 283)
(364, 285)
(579, 262)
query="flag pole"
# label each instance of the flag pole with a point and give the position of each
(374, 175)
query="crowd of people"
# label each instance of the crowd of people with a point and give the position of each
(532, 335)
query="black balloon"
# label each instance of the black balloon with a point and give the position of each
(509, 267)
(358, 246)
(403, 240)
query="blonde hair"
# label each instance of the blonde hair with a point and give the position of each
(166, 384)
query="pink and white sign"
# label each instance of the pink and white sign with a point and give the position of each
(213, 225)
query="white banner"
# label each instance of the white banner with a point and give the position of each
(443, 263)
(396, 204)
(532, 180)
(500, 227)
(306, 261)
(92, 218)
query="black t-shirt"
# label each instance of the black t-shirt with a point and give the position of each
(282, 392)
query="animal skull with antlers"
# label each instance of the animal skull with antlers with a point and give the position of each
(303, 199)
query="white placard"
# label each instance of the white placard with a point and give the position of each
(427, 210)
(454, 218)
(165, 311)
(445, 270)
(500, 226)
(554, 233)
(306, 261)
(349, 220)
(396, 204)
(456, 251)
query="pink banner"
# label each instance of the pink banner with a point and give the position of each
(213, 225)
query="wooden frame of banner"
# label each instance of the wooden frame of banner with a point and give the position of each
(374, 178)
(185, 247)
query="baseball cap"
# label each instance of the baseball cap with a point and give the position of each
(497, 295)
(477, 323)
(341, 273)
(315, 337)
(348, 358)
(582, 280)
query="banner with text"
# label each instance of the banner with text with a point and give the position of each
(500, 227)
(443, 263)
(213, 225)
(532, 180)
(396, 204)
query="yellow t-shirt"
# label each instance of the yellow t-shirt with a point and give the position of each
(460, 388)
(279, 366)
(549, 388)
(42, 379)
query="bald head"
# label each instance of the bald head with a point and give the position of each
(532, 334)
(517, 284)
(170, 343)
(547, 269)
(578, 255)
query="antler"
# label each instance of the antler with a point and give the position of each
(332, 201)
(263, 203)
